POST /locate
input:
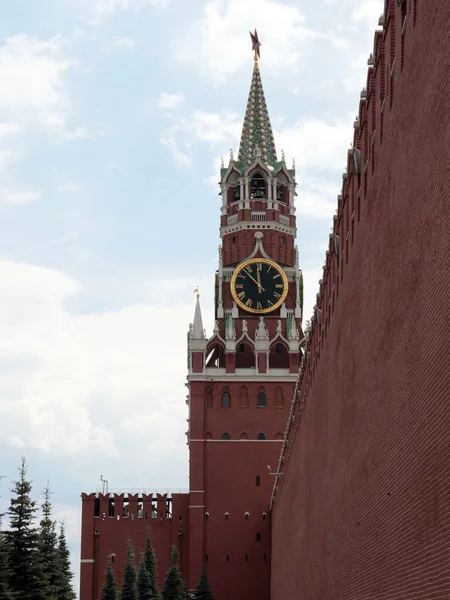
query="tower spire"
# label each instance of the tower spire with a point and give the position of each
(257, 130)
(197, 332)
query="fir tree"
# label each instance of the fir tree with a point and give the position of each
(203, 591)
(64, 589)
(26, 580)
(173, 587)
(48, 551)
(129, 584)
(5, 591)
(144, 587)
(150, 564)
(109, 589)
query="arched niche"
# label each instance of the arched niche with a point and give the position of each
(215, 354)
(258, 189)
(243, 396)
(234, 188)
(279, 397)
(282, 189)
(279, 355)
(245, 355)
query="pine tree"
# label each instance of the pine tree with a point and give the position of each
(150, 564)
(129, 583)
(144, 581)
(48, 551)
(26, 580)
(203, 591)
(64, 589)
(173, 587)
(109, 589)
(5, 591)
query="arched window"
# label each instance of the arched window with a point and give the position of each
(261, 436)
(208, 435)
(226, 400)
(258, 187)
(243, 436)
(264, 515)
(258, 537)
(206, 516)
(246, 516)
(261, 401)
(226, 516)
(226, 436)
(280, 348)
(258, 481)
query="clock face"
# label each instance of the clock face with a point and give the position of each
(259, 285)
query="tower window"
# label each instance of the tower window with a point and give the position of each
(228, 558)
(226, 516)
(246, 558)
(246, 516)
(261, 436)
(206, 558)
(233, 239)
(226, 436)
(261, 400)
(264, 515)
(206, 516)
(265, 557)
(258, 188)
(241, 348)
(280, 348)
(258, 537)
(226, 400)
(283, 239)
(258, 481)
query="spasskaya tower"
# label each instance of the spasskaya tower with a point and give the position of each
(241, 380)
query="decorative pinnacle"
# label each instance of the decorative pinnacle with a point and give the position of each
(197, 291)
(256, 45)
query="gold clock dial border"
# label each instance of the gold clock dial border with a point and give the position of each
(252, 261)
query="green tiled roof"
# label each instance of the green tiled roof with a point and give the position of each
(257, 130)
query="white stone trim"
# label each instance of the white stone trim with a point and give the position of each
(257, 225)
(87, 561)
(196, 506)
(209, 376)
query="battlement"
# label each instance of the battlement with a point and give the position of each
(379, 109)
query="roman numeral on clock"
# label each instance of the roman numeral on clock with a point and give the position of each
(248, 303)
(241, 295)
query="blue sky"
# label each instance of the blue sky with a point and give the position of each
(113, 117)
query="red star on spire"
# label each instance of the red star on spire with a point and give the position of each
(256, 44)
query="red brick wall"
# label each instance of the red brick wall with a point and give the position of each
(363, 508)
(103, 536)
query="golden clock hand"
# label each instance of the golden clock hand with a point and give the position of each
(258, 276)
(258, 284)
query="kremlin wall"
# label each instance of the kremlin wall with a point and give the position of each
(362, 509)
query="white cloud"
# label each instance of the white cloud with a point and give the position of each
(75, 384)
(8, 128)
(124, 43)
(18, 196)
(33, 86)
(317, 143)
(106, 8)
(170, 100)
(214, 43)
